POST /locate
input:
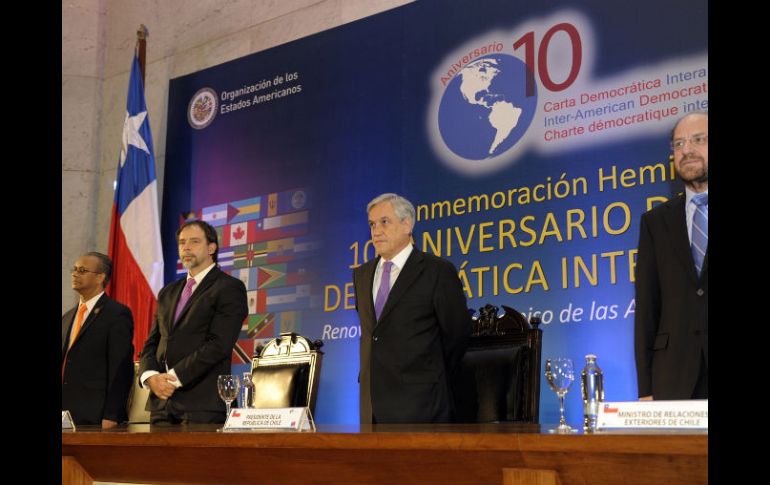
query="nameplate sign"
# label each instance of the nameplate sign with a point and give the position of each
(286, 419)
(66, 421)
(692, 414)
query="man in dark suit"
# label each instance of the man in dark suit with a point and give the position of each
(671, 318)
(414, 323)
(195, 328)
(97, 348)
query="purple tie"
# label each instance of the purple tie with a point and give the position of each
(382, 293)
(186, 294)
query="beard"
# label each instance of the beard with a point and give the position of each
(694, 173)
(190, 263)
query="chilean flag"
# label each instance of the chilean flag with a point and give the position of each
(135, 248)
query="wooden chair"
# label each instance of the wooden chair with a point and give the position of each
(499, 376)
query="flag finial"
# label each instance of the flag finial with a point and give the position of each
(142, 33)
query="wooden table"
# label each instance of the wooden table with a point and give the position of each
(383, 454)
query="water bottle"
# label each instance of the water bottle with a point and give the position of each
(247, 391)
(592, 387)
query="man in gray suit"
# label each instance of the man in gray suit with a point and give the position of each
(671, 319)
(414, 323)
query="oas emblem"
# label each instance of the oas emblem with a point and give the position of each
(202, 108)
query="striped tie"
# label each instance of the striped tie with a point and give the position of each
(700, 230)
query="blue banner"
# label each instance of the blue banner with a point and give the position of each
(530, 137)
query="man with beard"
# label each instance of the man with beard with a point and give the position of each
(671, 318)
(197, 323)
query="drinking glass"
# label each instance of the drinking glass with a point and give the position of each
(560, 374)
(228, 386)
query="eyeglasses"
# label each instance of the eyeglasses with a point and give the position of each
(82, 270)
(699, 140)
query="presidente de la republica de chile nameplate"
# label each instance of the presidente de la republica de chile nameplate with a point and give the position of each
(692, 414)
(286, 419)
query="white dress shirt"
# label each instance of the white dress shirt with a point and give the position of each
(149, 373)
(399, 260)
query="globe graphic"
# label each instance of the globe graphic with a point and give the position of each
(485, 110)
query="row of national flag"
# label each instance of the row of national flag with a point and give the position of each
(263, 326)
(262, 207)
(267, 238)
(267, 229)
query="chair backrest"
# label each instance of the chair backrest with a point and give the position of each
(285, 372)
(499, 376)
(137, 400)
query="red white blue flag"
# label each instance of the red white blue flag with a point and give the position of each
(135, 246)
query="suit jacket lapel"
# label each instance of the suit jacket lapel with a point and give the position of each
(202, 287)
(170, 310)
(409, 273)
(93, 315)
(676, 222)
(69, 317)
(367, 305)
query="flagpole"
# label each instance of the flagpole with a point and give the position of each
(141, 47)
(135, 245)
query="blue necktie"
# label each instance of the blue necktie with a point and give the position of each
(382, 293)
(186, 294)
(700, 230)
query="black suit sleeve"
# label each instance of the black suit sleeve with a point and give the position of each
(452, 314)
(147, 357)
(120, 367)
(231, 308)
(647, 311)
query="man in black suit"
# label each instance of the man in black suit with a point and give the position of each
(414, 323)
(671, 319)
(196, 325)
(97, 348)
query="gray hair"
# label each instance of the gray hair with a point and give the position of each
(402, 207)
(702, 113)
